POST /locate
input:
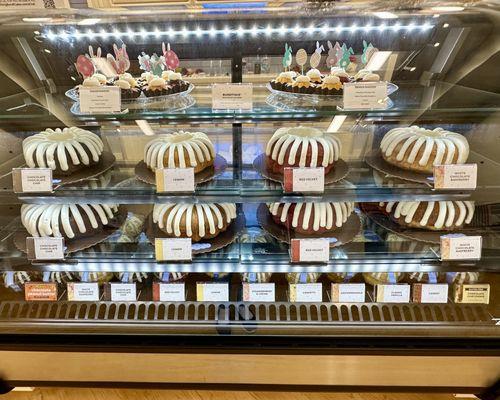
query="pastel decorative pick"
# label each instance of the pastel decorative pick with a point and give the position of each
(120, 62)
(287, 57)
(157, 64)
(339, 52)
(85, 66)
(344, 61)
(95, 57)
(301, 58)
(368, 52)
(331, 59)
(171, 59)
(144, 62)
(316, 57)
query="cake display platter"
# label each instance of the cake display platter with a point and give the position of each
(375, 160)
(74, 245)
(337, 173)
(338, 237)
(144, 174)
(205, 245)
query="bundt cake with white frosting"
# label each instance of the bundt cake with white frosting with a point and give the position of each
(419, 149)
(381, 278)
(64, 151)
(432, 215)
(70, 221)
(302, 147)
(180, 150)
(311, 218)
(303, 277)
(196, 221)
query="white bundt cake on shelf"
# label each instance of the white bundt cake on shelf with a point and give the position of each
(432, 215)
(180, 150)
(196, 221)
(419, 149)
(64, 151)
(311, 218)
(66, 220)
(258, 277)
(302, 147)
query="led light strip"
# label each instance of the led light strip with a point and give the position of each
(239, 32)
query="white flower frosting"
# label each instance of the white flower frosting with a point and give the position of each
(91, 82)
(371, 78)
(157, 82)
(337, 70)
(40, 150)
(122, 84)
(101, 78)
(303, 79)
(331, 80)
(314, 74)
(174, 76)
(147, 76)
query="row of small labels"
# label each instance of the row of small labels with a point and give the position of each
(453, 247)
(295, 180)
(264, 292)
(236, 97)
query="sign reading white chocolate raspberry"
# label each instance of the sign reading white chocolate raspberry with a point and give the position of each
(232, 96)
(259, 292)
(32, 180)
(461, 247)
(174, 180)
(455, 176)
(365, 96)
(173, 249)
(83, 291)
(304, 180)
(310, 250)
(100, 99)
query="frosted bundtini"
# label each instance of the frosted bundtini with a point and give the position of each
(432, 215)
(64, 151)
(70, 221)
(180, 150)
(196, 221)
(420, 149)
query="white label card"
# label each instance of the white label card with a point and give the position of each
(461, 247)
(123, 292)
(310, 250)
(171, 180)
(348, 292)
(393, 293)
(304, 180)
(434, 293)
(259, 292)
(49, 248)
(212, 291)
(33, 180)
(365, 95)
(83, 291)
(455, 176)
(173, 249)
(232, 96)
(172, 292)
(306, 292)
(100, 100)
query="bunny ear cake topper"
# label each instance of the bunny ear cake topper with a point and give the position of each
(171, 59)
(316, 57)
(287, 57)
(368, 52)
(120, 61)
(344, 61)
(144, 62)
(301, 58)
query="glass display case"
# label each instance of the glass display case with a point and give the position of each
(222, 194)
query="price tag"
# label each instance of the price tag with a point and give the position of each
(45, 248)
(348, 292)
(169, 291)
(259, 292)
(365, 96)
(40, 291)
(123, 291)
(472, 294)
(100, 99)
(461, 247)
(32, 180)
(303, 180)
(306, 292)
(83, 291)
(173, 249)
(455, 176)
(212, 291)
(430, 293)
(31, 4)
(309, 250)
(232, 96)
(172, 180)
(393, 293)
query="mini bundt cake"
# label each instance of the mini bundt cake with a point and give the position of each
(63, 151)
